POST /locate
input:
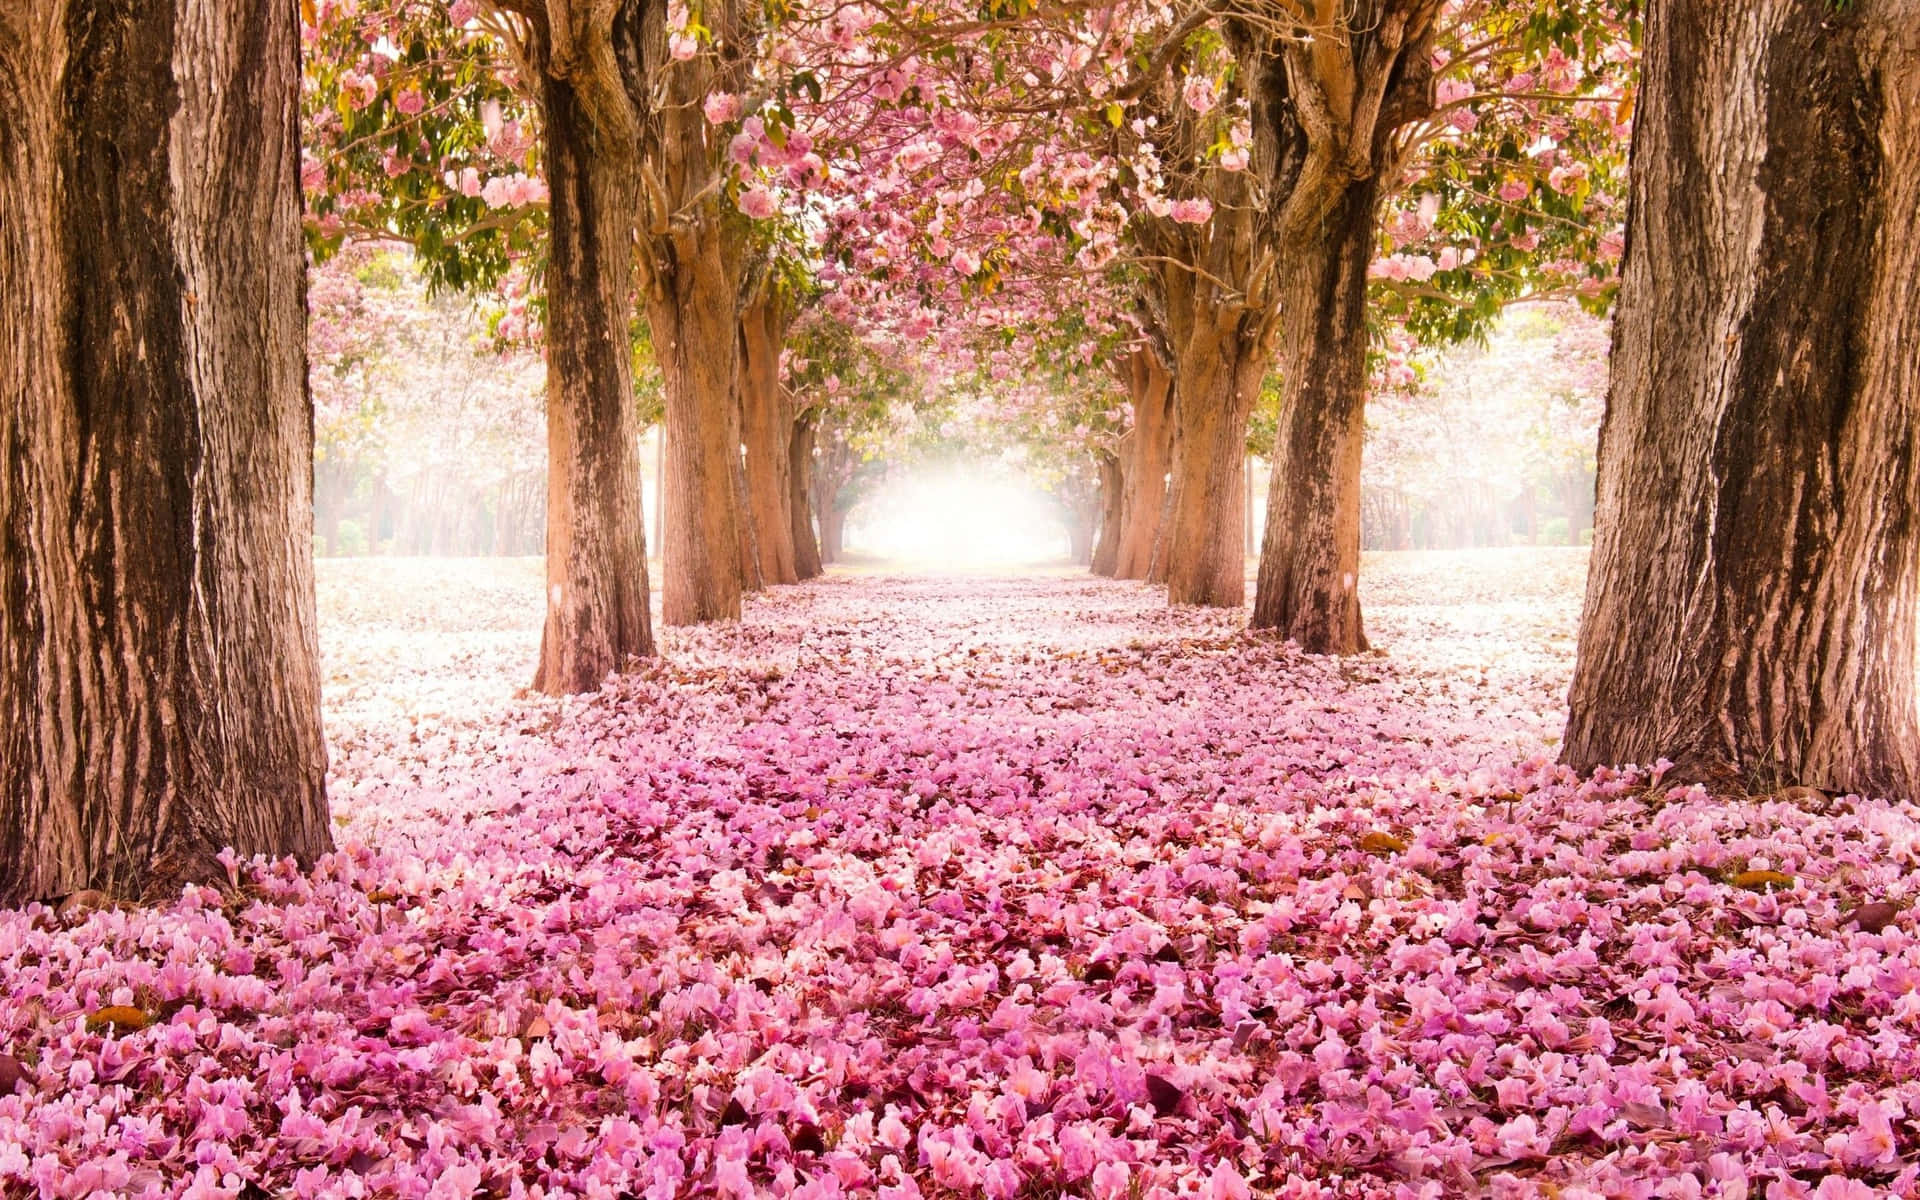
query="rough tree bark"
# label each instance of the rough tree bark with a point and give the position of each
(1310, 553)
(1113, 513)
(1149, 453)
(693, 330)
(806, 548)
(159, 686)
(1334, 166)
(766, 415)
(692, 249)
(1755, 583)
(597, 590)
(1216, 380)
(1326, 113)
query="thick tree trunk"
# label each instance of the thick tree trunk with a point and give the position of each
(1150, 453)
(1216, 378)
(1755, 582)
(159, 682)
(693, 321)
(1113, 501)
(1310, 557)
(766, 416)
(806, 548)
(597, 601)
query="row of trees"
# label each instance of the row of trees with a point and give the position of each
(1245, 182)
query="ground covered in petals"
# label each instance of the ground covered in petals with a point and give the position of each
(986, 886)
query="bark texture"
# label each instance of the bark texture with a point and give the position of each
(1310, 553)
(1218, 377)
(1149, 454)
(159, 686)
(1326, 114)
(693, 247)
(597, 591)
(694, 332)
(1751, 605)
(766, 416)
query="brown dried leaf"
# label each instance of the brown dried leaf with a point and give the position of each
(1381, 843)
(1872, 918)
(118, 1019)
(1646, 1116)
(1760, 881)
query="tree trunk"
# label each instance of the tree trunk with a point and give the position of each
(159, 681)
(1157, 561)
(1310, 560)
(1113, 499)
(597, 602)
(1150, 451)
(833, 531)
(1752, 601)
(806, 548)
(693, 321)
(1216, 379)
(1079, 537)
(750, 578)
(766, 415)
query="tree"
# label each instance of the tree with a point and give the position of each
(582, 64)
(421, 139)
(767, 423)
(1147, 456)
(1755, 585)
(159, 685)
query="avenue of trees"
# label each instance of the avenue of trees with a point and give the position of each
(1115, 227)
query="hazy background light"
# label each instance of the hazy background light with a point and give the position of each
(964, 516)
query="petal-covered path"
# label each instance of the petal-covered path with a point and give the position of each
(986, 886)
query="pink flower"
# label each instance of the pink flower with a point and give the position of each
(1195, 211)
(1872, 1142)
(682, 46)
(410, 102)
(1227, 1184)
(965, 262)
(1200, 93)
(721, 107)
(757, 202)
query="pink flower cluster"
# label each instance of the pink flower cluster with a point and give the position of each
(941, 887)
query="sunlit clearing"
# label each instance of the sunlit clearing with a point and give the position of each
(958, 517)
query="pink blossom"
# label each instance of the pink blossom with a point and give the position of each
(757, 202)
(1194, 211)
(1200, 93)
